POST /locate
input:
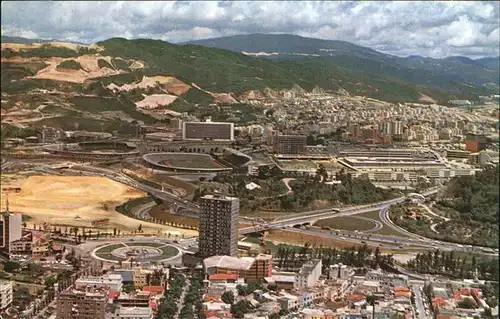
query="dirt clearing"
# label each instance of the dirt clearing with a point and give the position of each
(77, 200)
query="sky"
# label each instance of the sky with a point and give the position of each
(428, 28)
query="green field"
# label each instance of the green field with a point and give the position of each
(108, 248)
(346, 223)
(297, 164)
(168, 252)
(189, 161)
(386, 230)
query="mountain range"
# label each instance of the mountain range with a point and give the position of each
(113, 83)
(445, 73)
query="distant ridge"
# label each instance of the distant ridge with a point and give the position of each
(9, 39)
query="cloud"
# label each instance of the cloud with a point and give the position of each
(428, 28)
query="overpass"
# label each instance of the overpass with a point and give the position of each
(310, 217)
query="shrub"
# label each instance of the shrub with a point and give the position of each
(101, 63)
(69, 64)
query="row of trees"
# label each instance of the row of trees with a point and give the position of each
(168, 307)
(193, 304)
(357, 256)
(451, 264)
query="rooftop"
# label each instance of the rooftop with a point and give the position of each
(229, 262)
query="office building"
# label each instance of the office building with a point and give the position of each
(309, 274)
(218, 226)
(84, 303)
(5, 294)
(290, 144)
(475, 142)
(217, 131)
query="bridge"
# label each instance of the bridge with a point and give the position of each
(311, 217)
(416, 195)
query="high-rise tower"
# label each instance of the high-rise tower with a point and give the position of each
(219, 225)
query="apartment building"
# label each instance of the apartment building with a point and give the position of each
(290, 144)
(219, 226)
(475, 142)
(309, 274)
(84, 303)
(12, 228)
(5, 294)
(113, 282)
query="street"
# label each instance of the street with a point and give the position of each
(419, 302)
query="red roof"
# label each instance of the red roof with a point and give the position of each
(401, 289)
(223, 277)
(153, 304)
(402, 294)
(153, 289)
(113, 294)
(438, 301)
(212, 298)
(465, 292)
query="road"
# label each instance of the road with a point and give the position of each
(384, 217)
(313, 216)
(388, 242)
(180, 303)
(419, 302)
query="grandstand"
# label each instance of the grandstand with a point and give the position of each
(234, 158)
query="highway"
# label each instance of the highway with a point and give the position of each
(409, 240)
(313, 216)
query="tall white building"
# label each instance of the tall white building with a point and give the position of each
(219, 226)
(5, 294)
(11, 228)
(308, 274)
(392, 128)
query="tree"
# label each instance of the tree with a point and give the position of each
(49, 282)
(128, 287)
(242, 290)
(228, 297)
(274, 315)
(370, 299)
(11, 266)
(467, 303)
(139, 228)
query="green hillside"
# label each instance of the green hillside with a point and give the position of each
(90, 105)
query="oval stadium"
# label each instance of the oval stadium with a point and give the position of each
(190, 162)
